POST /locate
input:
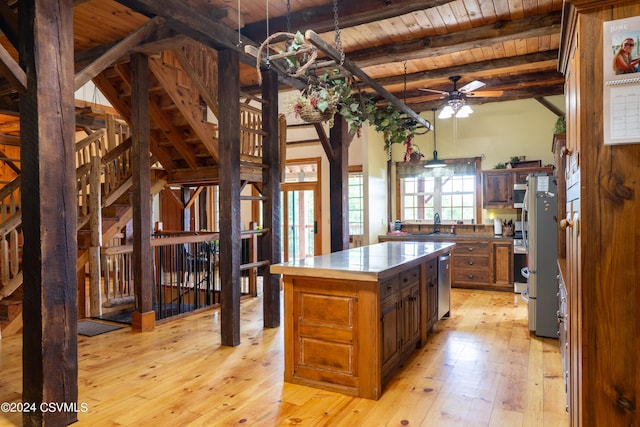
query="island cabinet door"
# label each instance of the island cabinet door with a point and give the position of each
(432, 294)
(390, 331)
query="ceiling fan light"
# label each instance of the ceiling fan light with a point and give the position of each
(464, 111)
(446, 112)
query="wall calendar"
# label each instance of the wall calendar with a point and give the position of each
(621, 62)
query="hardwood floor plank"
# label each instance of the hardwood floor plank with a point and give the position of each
(480, 367)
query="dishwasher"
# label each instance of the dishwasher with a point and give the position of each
(444, 285)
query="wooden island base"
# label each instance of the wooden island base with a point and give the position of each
(352, 317)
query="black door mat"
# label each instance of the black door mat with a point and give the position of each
(90, 328)
(123, 316)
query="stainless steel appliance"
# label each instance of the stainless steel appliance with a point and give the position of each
(519, 263)
(444, 286)
(519, 191)
(541, 240)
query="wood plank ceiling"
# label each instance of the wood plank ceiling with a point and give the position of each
(511, 45)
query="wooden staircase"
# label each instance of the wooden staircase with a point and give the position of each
(184, 146)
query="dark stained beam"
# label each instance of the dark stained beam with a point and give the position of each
(143, 319)
(476, 67)
(9, 23)
(350, 13)
(187, 20)
(472, 38)
(11, 71)
(509, 95)
(340, 140)
(121, 49)
(271, 190)
(49, 213)
(324, 140)
(10, 163)
(549, 106)
(229, 161)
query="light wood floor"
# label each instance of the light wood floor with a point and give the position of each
(480, 368)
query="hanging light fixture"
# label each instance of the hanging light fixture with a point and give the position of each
(455, 107)
(435, 162)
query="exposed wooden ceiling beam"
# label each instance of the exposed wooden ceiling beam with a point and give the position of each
(121, 49)
(9, 23)
(512, 61)
(184, 19)
(549, 106)
(314, 39)
(472, 38)
(509, 95)
(321, 18)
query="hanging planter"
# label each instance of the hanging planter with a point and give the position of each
(316, 104)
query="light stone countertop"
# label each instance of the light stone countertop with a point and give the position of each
(366, 263)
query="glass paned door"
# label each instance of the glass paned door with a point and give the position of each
(299, 224)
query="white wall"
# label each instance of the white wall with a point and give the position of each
(495, 131)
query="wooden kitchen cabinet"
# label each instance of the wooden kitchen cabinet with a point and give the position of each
(497, 189)
(471, 264)
(432, 294)
(502, 264)
(390, 333)
(497, 185)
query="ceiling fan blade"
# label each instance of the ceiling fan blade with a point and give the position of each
(434, 91)
(471, 86)
(484, 93)
(433, 97)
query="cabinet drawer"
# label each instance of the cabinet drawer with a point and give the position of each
(470, 261)
(475, 248)
(410, 277)
(468, 275)
(389, 287)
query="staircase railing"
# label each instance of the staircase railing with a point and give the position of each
(116, 163)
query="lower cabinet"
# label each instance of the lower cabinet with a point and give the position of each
(502, 264)
(390, 330)
(471, 264)
(400, 319)
(483, 264)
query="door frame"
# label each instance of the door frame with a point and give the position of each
(316, 187)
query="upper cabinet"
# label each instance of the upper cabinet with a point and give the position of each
(497, 185)
(497, 189)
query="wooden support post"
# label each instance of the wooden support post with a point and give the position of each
(143, 319)
(338, 184)
(271, 157)
(49, 212)
(95, 221)
(230, 238)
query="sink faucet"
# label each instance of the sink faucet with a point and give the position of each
(436, 223)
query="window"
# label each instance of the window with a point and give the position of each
(451, 192)
(356, 202)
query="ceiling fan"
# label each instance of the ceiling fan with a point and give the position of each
(456, 97)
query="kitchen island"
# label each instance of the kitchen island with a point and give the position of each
(352, 317)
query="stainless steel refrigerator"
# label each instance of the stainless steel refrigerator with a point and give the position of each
(541, 238)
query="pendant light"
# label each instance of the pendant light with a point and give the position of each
(435, 162)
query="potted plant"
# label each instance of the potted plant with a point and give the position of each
(560, 126)
(389, 121)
